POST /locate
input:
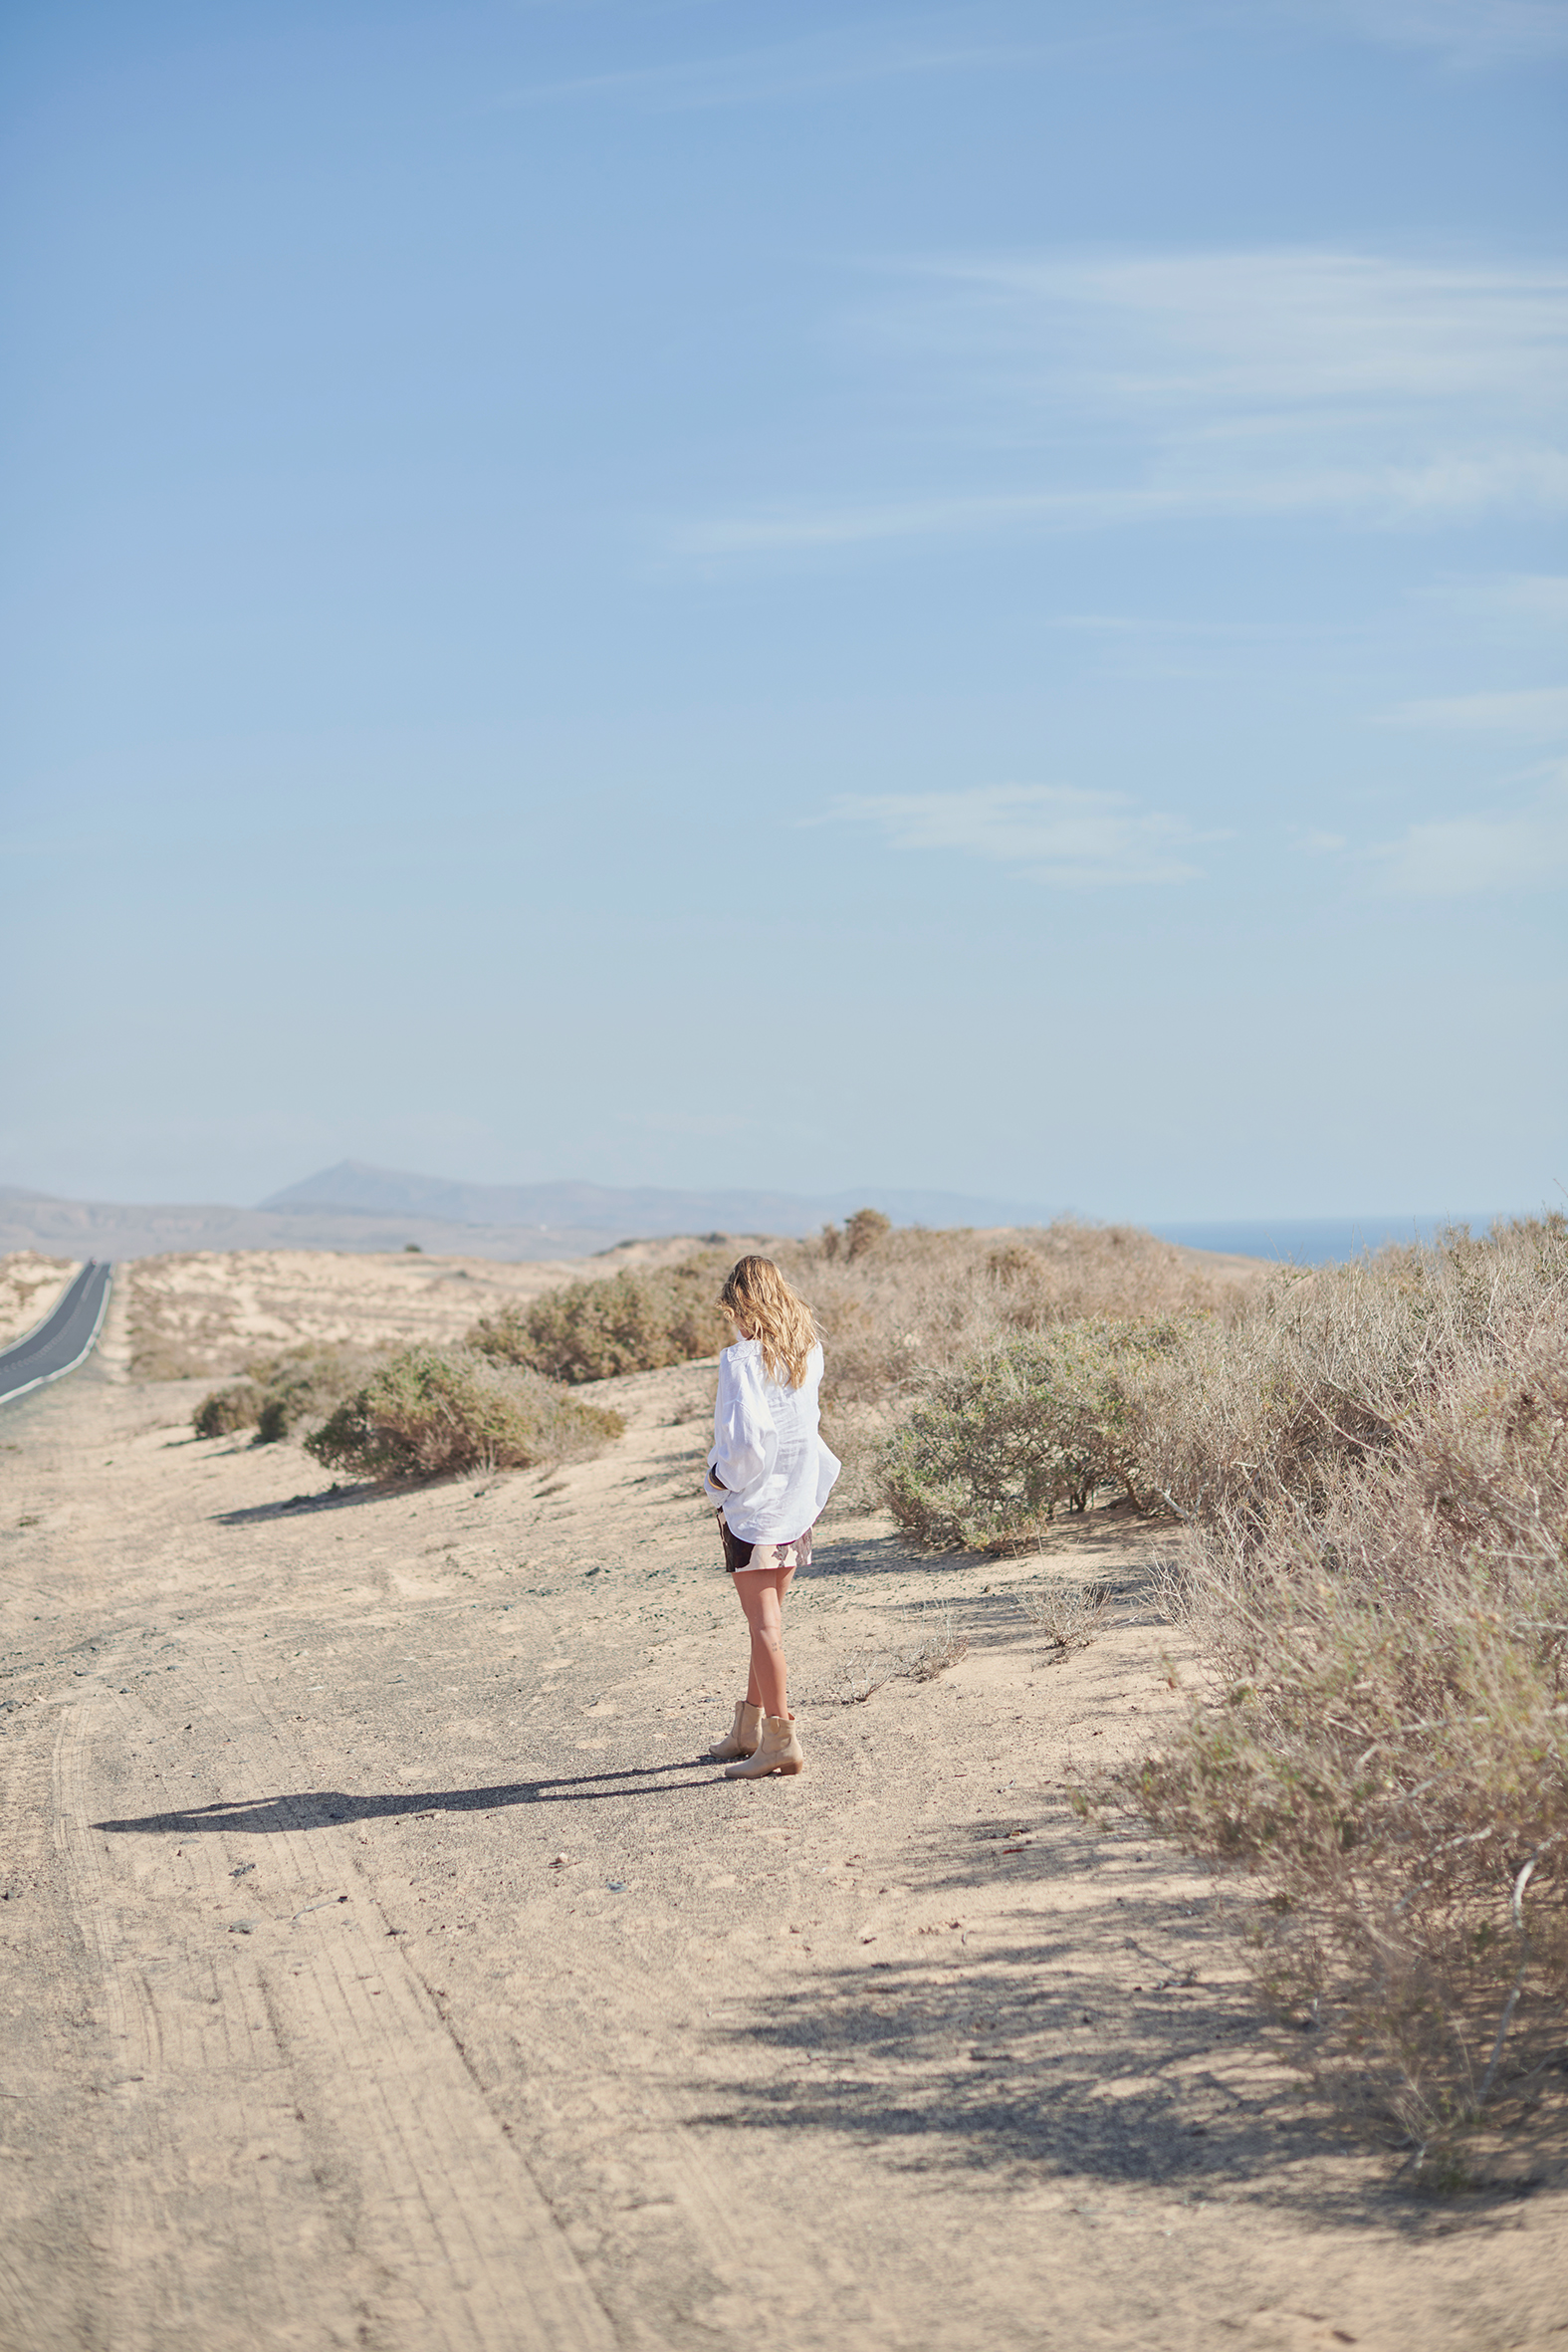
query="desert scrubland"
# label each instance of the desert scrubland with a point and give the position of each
(209, 1311)
(1164, 1945)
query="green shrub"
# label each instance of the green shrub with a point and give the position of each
(428, 1413)
(1000, 1440)
(637, 1321)
(278, 1393)
(228, 1409)
(307, 1383)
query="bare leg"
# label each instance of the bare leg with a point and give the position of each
(761, 1592)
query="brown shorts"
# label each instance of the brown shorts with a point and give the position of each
(796, 1553)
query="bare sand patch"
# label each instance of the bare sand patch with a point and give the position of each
(29, 1287)
(385, 1965)
(207, 1311)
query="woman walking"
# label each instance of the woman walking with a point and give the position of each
(770, 1474)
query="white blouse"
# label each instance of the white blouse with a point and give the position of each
(776, 1472)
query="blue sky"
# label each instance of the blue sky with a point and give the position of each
(715, 592)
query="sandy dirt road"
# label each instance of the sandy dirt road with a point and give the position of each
(381, 1966)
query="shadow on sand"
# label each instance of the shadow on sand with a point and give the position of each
(317, 1809)
(1088, 2049)
(300, 1506)
(990, 1619)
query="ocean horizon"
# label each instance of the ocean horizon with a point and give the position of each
(1316, 1241)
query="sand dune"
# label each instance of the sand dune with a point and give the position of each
(207, 1311)
(29, 1286)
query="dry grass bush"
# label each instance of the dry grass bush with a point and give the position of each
(638, 1320)
(857, 1435)
(938, 1643)
(1374, 1474)
(900, 1305)
(1069, 1615)
(999, 1440)
(1368, 1466)
(1319, 1368)
(229, 1409)
(895, 1306)
(934, 1643)
(860, 1231)
(434, 1413)
(893, 1303)
(280, 1392)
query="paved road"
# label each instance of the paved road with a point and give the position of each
(65, 1338)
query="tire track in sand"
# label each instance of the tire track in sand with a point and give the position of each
(651, 2146)
(306, 2157)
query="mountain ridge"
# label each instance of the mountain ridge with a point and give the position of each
(620, 1209)
(569, 1219)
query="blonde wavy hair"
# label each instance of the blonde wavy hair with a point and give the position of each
(758, 1300)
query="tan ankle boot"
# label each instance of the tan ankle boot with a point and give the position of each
(745, 1733)
(779, 1753)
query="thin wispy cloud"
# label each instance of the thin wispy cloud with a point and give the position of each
(1006, 38)
(1448, 490)
(814, 65)
(1534, 596)
(1538, 599)
(1132, 389)
(1054, 833)
(1489, 853)
(1271, 331)
(1472, 33)
(1538, 710)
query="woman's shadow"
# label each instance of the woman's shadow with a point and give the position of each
(317, 1808)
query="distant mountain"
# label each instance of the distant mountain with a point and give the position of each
(642, 1211)
(121, 1229)
(356, 1206)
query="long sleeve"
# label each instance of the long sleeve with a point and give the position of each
(768, 1449)
(745, 1441)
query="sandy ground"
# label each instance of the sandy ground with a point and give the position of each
(206, 1312)
(29, 1287)
(382, 1967)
